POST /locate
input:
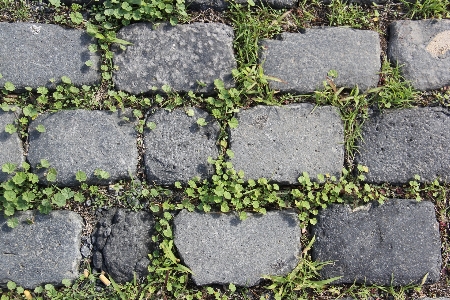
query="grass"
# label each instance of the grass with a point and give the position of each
(168, 278)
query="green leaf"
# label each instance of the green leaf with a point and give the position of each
(51, 175)
(19, 178)
(11, 285)
(59, 200)
(30, 111)
(38, 289)
(40, 128)
(76, 17)
(66, 282)
(89, 63)
(10, 128)
(230, 153)
(28, 196)
(10, 196)
(242, 215)
(190, 112)
(9, 86)
(12, 223)
(8, 168)
(45, 206)
(81, 176)
(201, 122)
(79, 197)
(45, 163)
(232, 287)
(151, 125)
(101, 174)
(233, 123)
(55, 3)
(66, 80)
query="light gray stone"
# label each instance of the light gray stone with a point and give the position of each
(45, 251)
(81, 140)
(301, 61)
(10, 144)
(221, 249)
(398, 144)
(183, 57)
(397, 242)
(280, 143)
(32, 53)
(222, 5)
(123, 240)
(178, 148)
(422, 49)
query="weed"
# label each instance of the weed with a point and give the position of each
(344, 14)
(425, 9)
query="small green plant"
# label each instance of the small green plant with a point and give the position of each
(344, 14)
(425, 9)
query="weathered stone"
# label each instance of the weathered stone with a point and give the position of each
(178, 148)
(395, 243)
(81, 140)
(422, 49)
(398, 144)
(31, 54)
(280, 143)
(222, 5)
(41, 249)
(185, 57)
(221, 249)
(301, 61)
(123, 240)
(10, 144)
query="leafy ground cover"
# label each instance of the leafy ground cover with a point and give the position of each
(227, 191)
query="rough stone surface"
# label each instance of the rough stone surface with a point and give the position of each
(422, 48)
(280, 143)
(399, 144)
(183, 56)
(375, 244)
(178, 148)
(221, 5)
(10, 144)
(123, 240)
(80, 140)
(301, 61)
(31, 54)
(45, 251)
(221, 249)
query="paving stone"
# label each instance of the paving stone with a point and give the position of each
(45, 251)
(178, 148)
(81, 140)
(222, 5)
(33, 53)
(399, 144)
(221, 249)
(281, 143)
(375, 244)
(302, 60)
(422, 48)
(183, 56)
(10, 144)
(123, 240)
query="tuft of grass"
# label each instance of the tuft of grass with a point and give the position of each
(344, 14)
(426, 9)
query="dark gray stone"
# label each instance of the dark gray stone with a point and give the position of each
(422, 48)
(178, 148)
(45, 251)
(123, 240)
(221, 249)
(10, 144)
(280, 143)
(81, 140)
(397, 242)
(222, 5)
(183, 56)
(399, 144)
(31, 54)
(302, 60)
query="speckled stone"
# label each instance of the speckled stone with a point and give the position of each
(280, 143)
(398, 144)
(81, 140)
(221, 249)
(178, 148)
(395, 243)
(301, 61)
(422, 49)
(32, 53)
(10, 144)
(45, 251)
(183, 57)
